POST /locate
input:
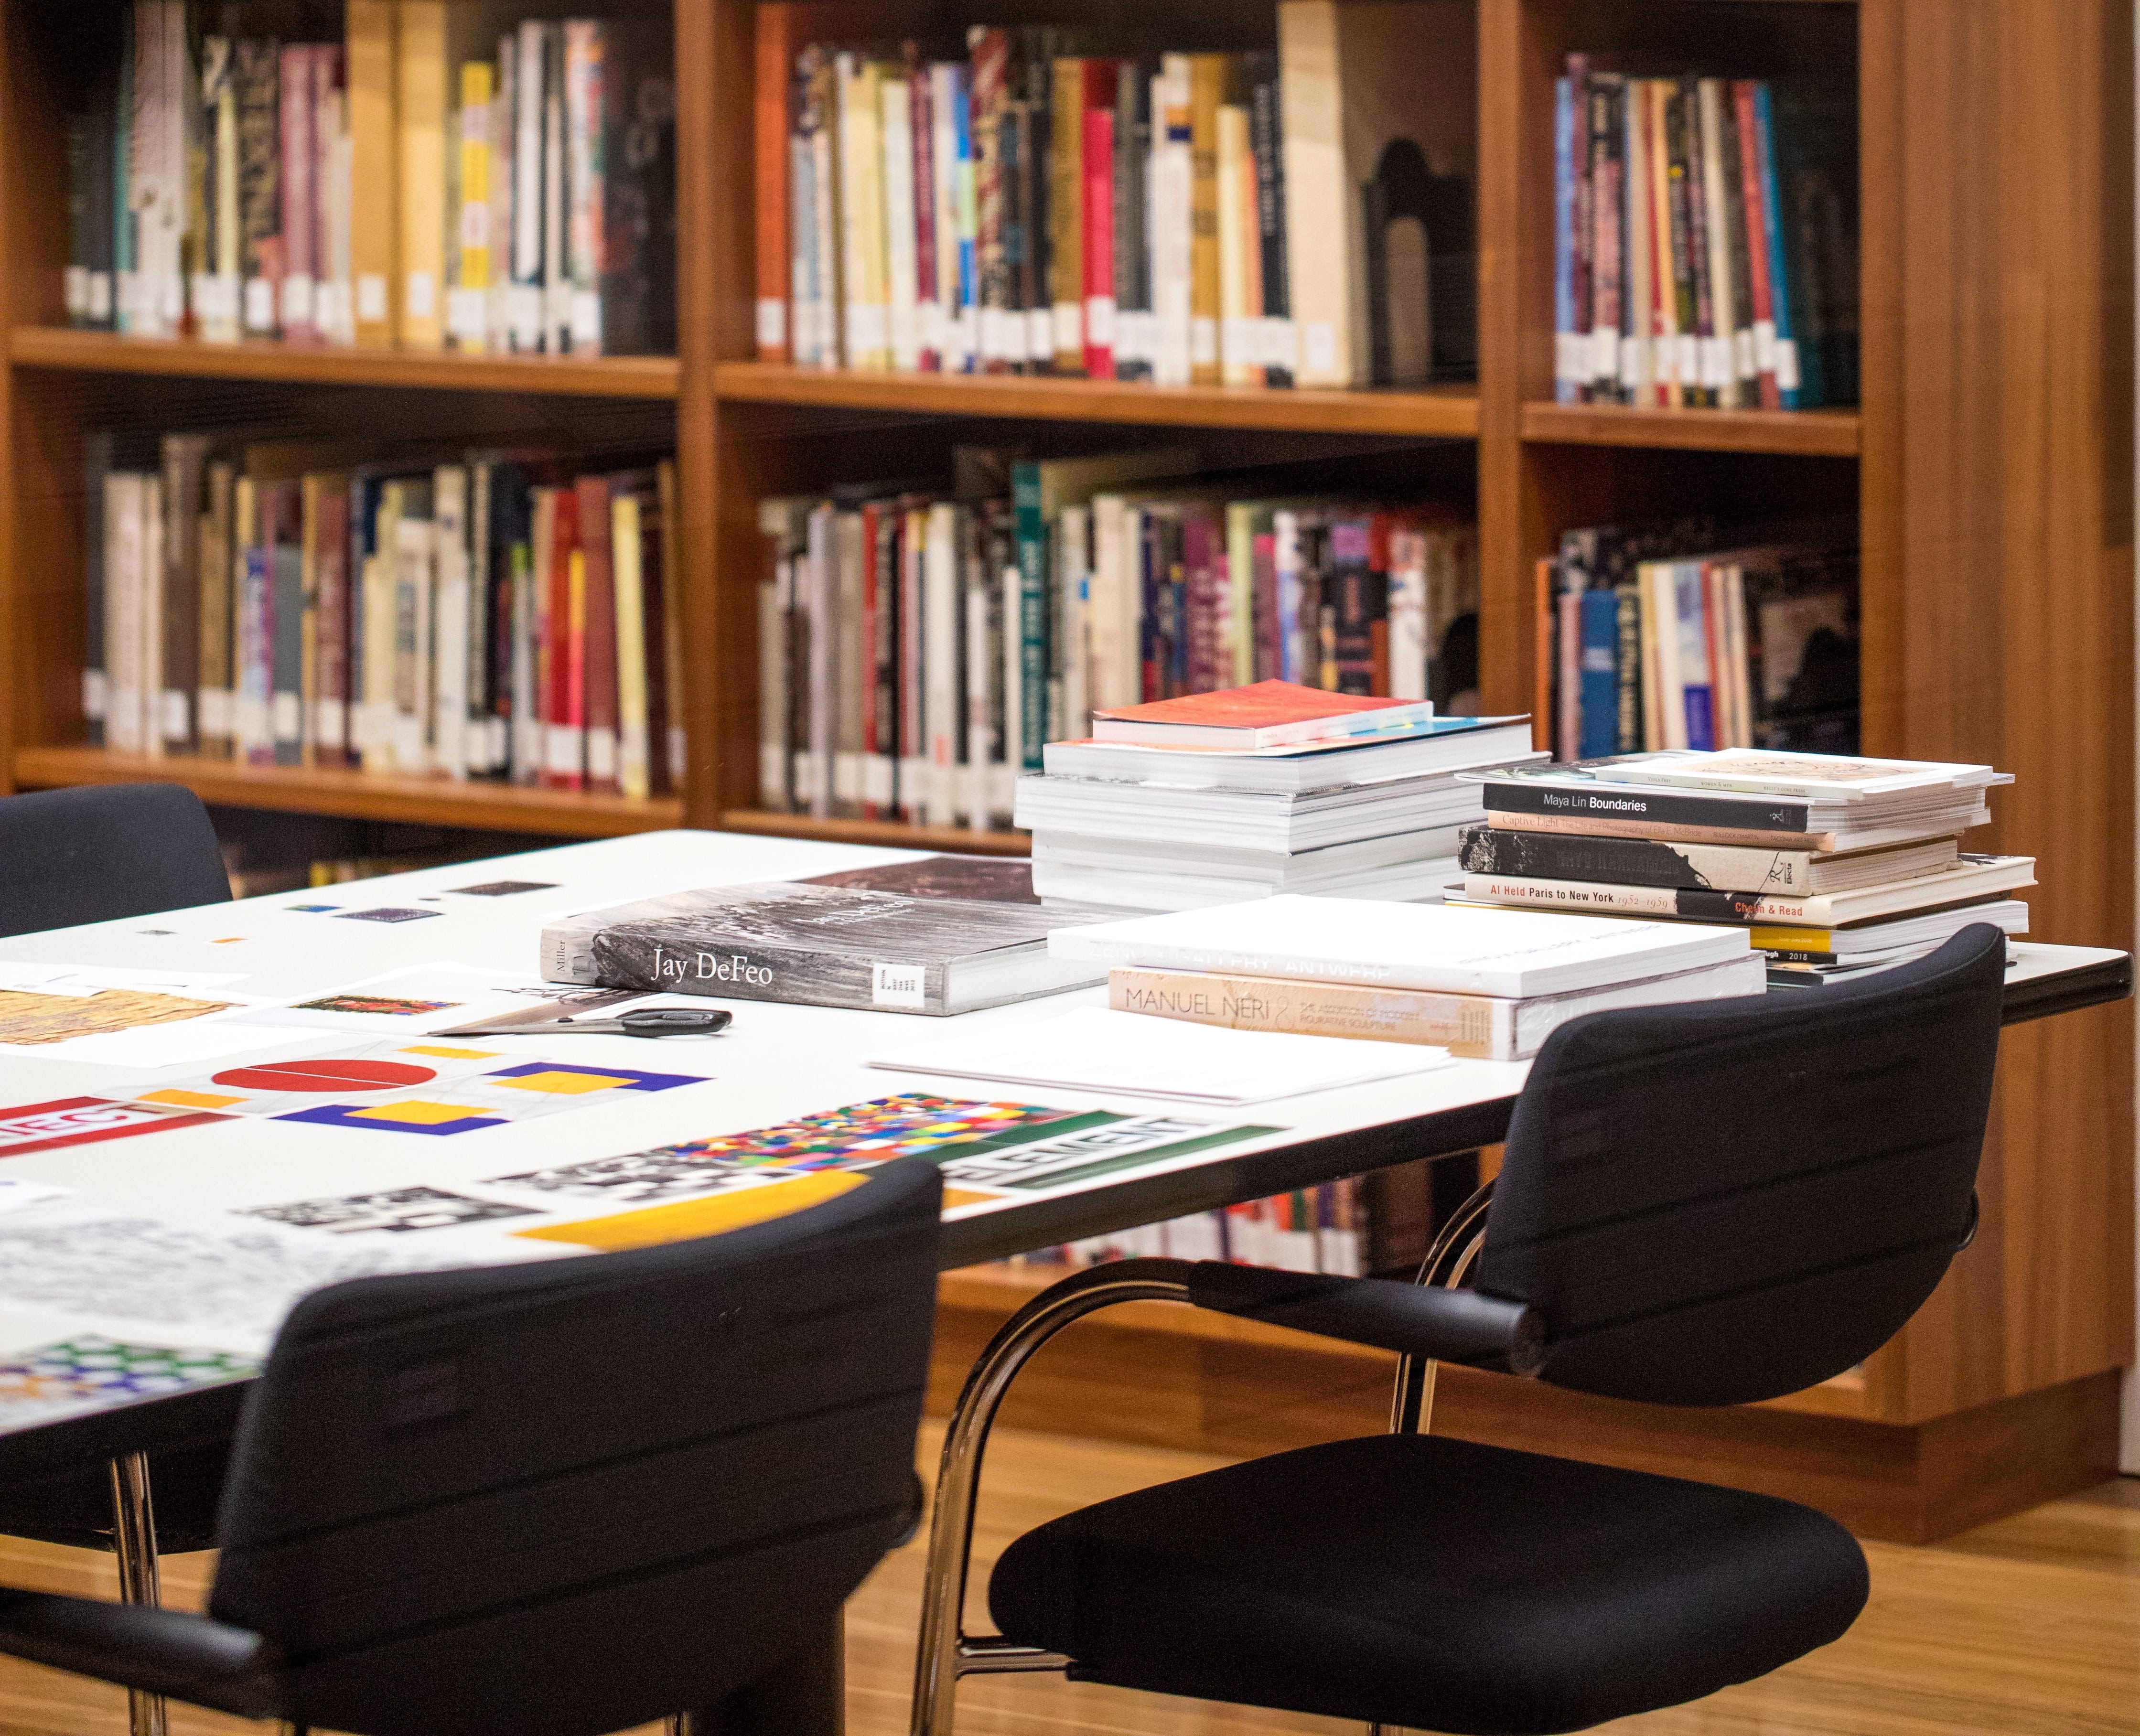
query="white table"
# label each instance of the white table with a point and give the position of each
(775, 1063)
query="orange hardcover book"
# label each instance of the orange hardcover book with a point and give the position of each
(375, 242)
(1265, 714)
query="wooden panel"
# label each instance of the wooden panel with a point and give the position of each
(891, 833)
(357, 795)
(2004, 532)
(608, 376)
(1448, 412)
(1505, 593)
(1818, 433)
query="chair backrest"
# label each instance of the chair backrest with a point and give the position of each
(566, 1498)
(1729, 1200)
(91, 855)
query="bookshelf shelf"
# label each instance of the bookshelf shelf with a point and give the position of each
(891, 834)
(607, 376)
(1448, 413)
(1806, 433)
(357, 795)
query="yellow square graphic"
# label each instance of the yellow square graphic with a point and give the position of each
(565, 1085)
(689, 1217)
(446, 1054)
(417, 1112)
(187, 1099)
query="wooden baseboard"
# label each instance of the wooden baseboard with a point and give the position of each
(1243, 1396)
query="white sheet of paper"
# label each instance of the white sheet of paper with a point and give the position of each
(1096, 1049)
(15, 1195)
(187, 1043)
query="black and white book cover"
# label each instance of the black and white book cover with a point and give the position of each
(821, 946)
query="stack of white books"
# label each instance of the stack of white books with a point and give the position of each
(1483, 983)
(1255, 792)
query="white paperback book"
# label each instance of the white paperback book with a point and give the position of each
(1097, 1049)
(1518, 953)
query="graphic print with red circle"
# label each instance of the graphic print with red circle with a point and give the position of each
(326, 1076)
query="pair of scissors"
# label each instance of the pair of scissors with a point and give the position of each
(639, 1021)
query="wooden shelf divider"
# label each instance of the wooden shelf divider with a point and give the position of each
(357, 795)
(1806, 433)
(593, 377)
(891, 834)
(1445, 412)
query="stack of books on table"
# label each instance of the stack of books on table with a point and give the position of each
(1257, 790)
(1483, 983)
(1836, 865)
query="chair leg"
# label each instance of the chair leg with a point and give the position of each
(945, 1653)
(134, 1542)
(1446, 1264)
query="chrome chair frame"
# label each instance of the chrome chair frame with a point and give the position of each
(134, 1546)
(947, 1652)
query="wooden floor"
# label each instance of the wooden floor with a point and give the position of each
(2027, 1627)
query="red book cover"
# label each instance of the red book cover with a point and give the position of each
(1096, 221)
(1263, 602)
(1379, 527)
(927, 293)
(300, 211)
(327, 81)
(1757, 239)
(331, 566)
(1268, 713)
(1203, 571)
(564, 747)
(599, 638)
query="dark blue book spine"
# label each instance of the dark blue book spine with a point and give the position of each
(1600, 686)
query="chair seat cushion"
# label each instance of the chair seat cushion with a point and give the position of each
(1434, 1584)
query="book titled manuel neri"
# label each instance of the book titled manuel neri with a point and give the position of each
(820, 946)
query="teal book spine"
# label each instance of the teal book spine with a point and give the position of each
(1031, 530)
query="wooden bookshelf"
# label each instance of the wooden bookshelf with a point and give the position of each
(1821, 433)
(1446, 413)
(356, 795)
(893, 834)
(106, 352)
(1988, 468)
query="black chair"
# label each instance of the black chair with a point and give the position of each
(1703, 1204)
(557, 1498)
(90, 855)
